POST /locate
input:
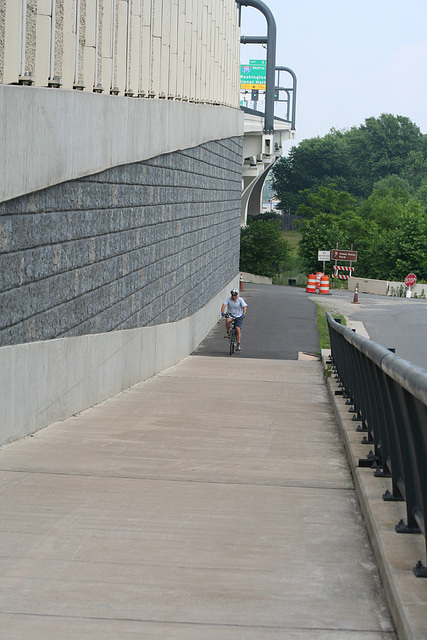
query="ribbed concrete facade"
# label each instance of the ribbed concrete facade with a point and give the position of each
(141, 244)
(168, 49)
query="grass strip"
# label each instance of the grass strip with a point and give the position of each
(322, 323)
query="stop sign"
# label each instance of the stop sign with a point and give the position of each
(410, 280)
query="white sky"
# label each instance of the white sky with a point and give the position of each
(353, 59)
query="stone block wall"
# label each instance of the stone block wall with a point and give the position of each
(136, 245)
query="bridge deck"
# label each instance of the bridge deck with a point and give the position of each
(211, 501)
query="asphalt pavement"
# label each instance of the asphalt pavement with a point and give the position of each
(280, 323)
(398, 323)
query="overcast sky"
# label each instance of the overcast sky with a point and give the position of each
(353, 59)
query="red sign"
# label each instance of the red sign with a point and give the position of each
(410, 280)
(346, 256)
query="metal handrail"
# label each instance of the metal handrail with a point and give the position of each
(255, 112)
(292, 90)
(389, 396)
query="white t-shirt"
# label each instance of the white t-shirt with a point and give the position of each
(235, 309)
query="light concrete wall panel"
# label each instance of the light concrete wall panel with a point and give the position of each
(88, 61)
(44, 7)
(121, 44)
(139, 85)
(67, 68)
(188, 46)
(146, 56)
(156, 68)
(173, 67)
(165, 50)
(87, 43)
(42, 52)
(135, 46)
(204, 51)
(157, 17)
(180, 84)
(90, 23)
(105, 51)
(174, 24)
(147, 11)
(107, 19)
(195, 52)
(146, 44)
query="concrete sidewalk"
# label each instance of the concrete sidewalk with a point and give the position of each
(211, 502)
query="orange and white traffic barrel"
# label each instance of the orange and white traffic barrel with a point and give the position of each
(311, 284)
(319, 274)
(324, 285)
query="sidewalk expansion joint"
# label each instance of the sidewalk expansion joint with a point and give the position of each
(289, 485)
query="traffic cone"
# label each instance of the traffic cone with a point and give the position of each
(241, 282)
(356, 296)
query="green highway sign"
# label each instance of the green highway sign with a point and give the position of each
(252, 75)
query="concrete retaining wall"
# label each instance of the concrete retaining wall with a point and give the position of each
(366, 285)
(396, 287)
(383, 287)
(44, 382)
(137, 245)
(250, 277)
(107, 280)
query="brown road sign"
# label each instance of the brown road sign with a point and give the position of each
(346, 256)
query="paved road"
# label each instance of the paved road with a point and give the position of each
(400, 323)
(288, 318)
(280, 322)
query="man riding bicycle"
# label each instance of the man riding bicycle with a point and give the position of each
(236, 308)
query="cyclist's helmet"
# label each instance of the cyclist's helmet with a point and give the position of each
(234, 292)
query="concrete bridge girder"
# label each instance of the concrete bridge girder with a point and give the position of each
(260, 152)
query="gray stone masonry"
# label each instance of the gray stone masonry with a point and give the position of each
(133, 246)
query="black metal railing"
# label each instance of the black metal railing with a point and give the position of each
(388, 396)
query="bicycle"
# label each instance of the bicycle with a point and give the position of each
(232, 335)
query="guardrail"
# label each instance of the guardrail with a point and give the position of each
(389, 398)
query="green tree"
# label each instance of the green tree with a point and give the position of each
(314, 162)
(392, 235)
(407, 249)
(415, 169)
(263, 249)
(326, 199)
(322, 232)
(421, 195)
(379, 148)
(353, 160)
(325, 223)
